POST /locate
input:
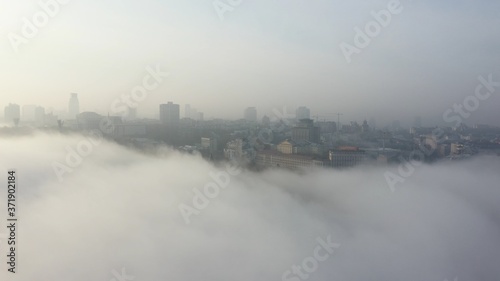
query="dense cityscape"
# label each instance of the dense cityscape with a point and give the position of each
(282, 140)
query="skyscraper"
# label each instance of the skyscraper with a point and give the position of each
(169, 113)
(305, 130)
(302, 113)
(372, 123)
(132, 113)
(251, 114)
(39, 116)
(74, 106)
(12, 112)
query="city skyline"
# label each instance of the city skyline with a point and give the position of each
(283, 112)
(209, 61)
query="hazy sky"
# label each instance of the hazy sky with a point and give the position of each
(120, 209)
(267, 54)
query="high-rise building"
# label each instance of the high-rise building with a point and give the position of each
(365, 127)
(327, 127)
(305, 130)
(74, 106)
(132, 113)
(192, 113)
(251, 114)
(169, 113)
(12, 113)
(209, 144)
(266, 121)
(302, 113)
(372, 123)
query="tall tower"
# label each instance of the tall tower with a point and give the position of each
(12, 112)
(250, 114)
(74, 106)
(169, 113)
(302, 113)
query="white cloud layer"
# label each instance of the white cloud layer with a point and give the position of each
(120, 209)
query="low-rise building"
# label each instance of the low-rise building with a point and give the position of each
(270, 158)
(347, 156)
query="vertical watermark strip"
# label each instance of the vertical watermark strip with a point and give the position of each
(12, 224)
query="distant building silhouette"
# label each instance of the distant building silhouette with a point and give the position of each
(192, 113)
(73, 106)
(302, 113)
(132, 113)
(169, 113)
(39, 116)
(372, 123)
(251, 114)
(12, 112)
(266, 121)
(305, 130)
(365, 127)
(327, 127)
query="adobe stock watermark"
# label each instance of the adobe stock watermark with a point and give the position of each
(483, 91)
(211, 190)
(281, 117)
(223, 6)
(310, 264)
(30, 27)
(121, 276)
(279, 122)
(120, 106)
(150, 82)
(373, 28)
(75, 155)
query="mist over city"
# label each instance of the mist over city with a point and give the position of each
(236, 140)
